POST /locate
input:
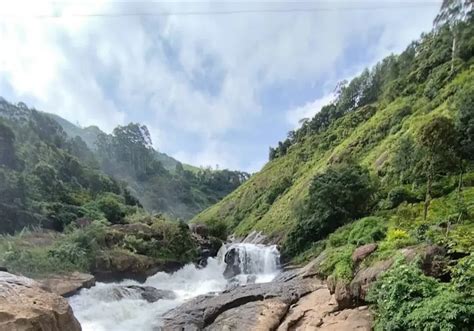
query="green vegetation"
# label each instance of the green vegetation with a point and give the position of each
(340, 194)
(408, 300)
(389, 161)
(55, 186)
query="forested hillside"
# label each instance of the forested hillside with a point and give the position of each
(388, 166)
(161, 183)
(59, 212)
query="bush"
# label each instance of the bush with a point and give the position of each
(341, 194)
(112, 208)
(218, 228)
(338, 263)
(367, 230)
(398, 195)
(397, 238)
(406, 299)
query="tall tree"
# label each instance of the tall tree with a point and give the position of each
(437, 138)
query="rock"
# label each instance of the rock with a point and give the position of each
(365, 277)
(433, 258)
(259, 315)
(316, 311)
(119, 264)
(310, 270)
(203, 311)
(3, 269)
(24, 306)
(200, 229)
(362, 252)
(147, 293)
(232, 260)
(348, 320)
(255, 237)
(68, 284)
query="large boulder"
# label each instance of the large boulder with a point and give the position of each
(24, 306)
(119, 264)
(362, 252)
(68, 284)
(248, 307)
(432, 259)
(319, 311)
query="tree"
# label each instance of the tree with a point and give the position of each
(342, 193)
(437, 139)
(7, 148)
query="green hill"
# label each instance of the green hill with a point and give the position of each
(367, 124)
(377, 189)
(160, 182)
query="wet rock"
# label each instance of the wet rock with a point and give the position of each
(147, 293)
(310, 270)
(67, 284)
(362, 252)
(24, 306)
(232, 261)
(203, 311)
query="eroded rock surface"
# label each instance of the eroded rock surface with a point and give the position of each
(68, 284)
(238, 306)
(24, 306)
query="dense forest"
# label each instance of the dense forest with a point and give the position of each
(65, 206)
(389, 164)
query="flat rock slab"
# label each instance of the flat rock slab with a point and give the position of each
(24, 306)
(68, 284)
(250, 301)
(319, 311)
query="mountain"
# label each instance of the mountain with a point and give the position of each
(90, 133)
(161, 183)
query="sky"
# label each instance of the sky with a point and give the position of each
(216, 82)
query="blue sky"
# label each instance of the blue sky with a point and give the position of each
(213, 89)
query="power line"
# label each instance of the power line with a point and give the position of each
(393, 5)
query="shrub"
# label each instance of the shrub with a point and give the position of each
(338, 263)
(406, 299)
(398, 195)
(111, 206)
(343, 193)
(397, 238)
(367, 230)
(218, 228)
(463, 275)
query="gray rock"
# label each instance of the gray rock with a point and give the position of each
(147, 293)
(232, 261)
(203, 311)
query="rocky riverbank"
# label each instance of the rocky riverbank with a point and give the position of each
(25, 306)
(296, 300)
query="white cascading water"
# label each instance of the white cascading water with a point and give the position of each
(98, 308)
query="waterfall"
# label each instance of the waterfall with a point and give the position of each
(108, 306)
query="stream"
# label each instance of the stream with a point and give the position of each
(107, 306)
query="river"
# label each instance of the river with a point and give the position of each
(100, 309)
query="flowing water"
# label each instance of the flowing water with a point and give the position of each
(99, 309)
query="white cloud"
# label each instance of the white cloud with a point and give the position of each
(294, 116)
(110, 70)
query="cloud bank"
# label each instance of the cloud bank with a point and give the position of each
(213, 88)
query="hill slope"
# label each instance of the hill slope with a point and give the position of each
(367, 122)
(160, 182)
